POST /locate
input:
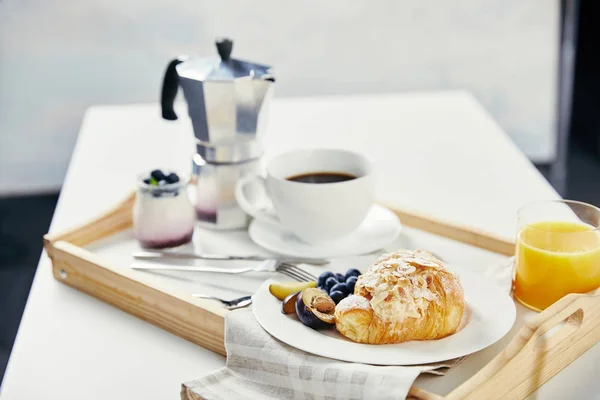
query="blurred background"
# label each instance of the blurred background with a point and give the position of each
(533, 65)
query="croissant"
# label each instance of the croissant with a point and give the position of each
(406, 295)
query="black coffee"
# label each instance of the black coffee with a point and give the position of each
(322, 177)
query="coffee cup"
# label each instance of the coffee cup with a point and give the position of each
(320, 195)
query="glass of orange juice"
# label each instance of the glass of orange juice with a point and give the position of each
(558, 251)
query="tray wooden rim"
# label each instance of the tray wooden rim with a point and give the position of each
(197, 320)
(202, 322)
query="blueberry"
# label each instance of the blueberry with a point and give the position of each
(147, 181)
(172, 178)
(337, 296)
(323, 278)
(352, 272)
(351, 283)
(330, 282)
(340, 277)
(340, 287)
(158, 175)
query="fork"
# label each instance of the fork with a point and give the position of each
(288, 269)
(229, 304)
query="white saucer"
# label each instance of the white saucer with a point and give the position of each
(380, 228)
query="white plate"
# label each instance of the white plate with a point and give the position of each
(489, 315)
(380, 228)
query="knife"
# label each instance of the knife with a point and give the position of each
(158, 255)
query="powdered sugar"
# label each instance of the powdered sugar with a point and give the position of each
(353, 302)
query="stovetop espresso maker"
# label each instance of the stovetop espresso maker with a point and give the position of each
(227, 100)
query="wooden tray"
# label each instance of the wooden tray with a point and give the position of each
(529, 360)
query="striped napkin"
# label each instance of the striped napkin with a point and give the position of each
(261, 367)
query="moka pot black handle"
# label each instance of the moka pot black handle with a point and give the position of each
(169, 89)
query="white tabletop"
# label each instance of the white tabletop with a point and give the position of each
(442, 153)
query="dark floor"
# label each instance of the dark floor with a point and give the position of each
(23, 221)
(583, 176)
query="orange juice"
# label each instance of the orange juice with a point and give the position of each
(554, 259)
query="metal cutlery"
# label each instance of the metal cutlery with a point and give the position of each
(153, 255)
(234, 304)
(290, 270)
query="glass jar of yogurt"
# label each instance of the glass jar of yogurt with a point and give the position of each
(163, 215)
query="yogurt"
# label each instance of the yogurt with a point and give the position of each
(163, 215)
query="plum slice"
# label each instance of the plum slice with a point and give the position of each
(289, 303)
(315, 308)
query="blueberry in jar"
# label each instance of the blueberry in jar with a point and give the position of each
(323, 278)
(351, 283)
(330, 282)
(337, 296)
(158, 175)
(352, 272)
(172, 178)
(340, 287)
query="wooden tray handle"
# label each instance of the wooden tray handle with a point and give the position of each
(117, 219)
(535, 354)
